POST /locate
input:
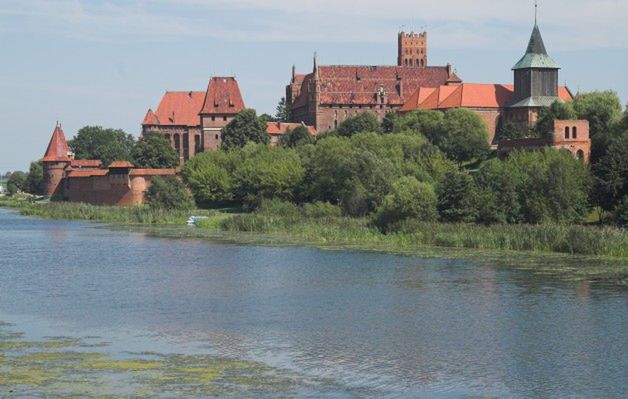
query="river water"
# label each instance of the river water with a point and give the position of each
(336, 323)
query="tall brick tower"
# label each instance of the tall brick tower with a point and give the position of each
(55, 161)
(412, 49)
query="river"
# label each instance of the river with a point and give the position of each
(317, 323)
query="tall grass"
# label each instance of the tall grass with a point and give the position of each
(574, 239)
(109, 214)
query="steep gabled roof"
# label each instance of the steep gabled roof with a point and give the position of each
(177, 108)
(536, 55)
(280, 128)
(57, 150)
(222, 97)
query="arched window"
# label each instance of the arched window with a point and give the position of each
(574, 132)
(580, 155)
(566, 132)
(177, 144)
(422, 62)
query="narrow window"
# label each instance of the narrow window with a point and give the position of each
(580, 155)
(213, 118)
(574, 133)
(566, 132)
(224, 118)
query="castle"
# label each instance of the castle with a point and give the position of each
(120, 183)
(330, 94)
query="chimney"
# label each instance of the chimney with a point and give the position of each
(448, 70)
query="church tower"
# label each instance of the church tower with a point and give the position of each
(412, 49)
(536, 80)
(55, 161)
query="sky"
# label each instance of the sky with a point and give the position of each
(88, 62)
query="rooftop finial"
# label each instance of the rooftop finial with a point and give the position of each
(536, 10)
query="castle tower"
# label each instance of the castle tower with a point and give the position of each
(55, 161)
(412, 49)
(536, 80)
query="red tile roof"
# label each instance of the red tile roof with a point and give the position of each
(57, 150)
(359, 85)
(280, 128)
(121, 164)
(85, 163)
(467, 95)
(87, 173)
(177, 108)
(222, 97)
(153, 172)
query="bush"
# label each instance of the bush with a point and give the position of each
(320, 209)
(277, 207)
(458, 198)
(210, 176)
(621, 213)
(361, 123)
(408, 198)
(168, 192)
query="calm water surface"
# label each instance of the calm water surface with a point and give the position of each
(352, 324)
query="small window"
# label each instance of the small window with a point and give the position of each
(574, 133)
(580, 155)
(213, 118)
(224, 118)
(566, 132)
(216, 137)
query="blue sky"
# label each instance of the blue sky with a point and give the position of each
(106, 62)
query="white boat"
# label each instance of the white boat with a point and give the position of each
(193, 219)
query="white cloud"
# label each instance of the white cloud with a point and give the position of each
(571, 24)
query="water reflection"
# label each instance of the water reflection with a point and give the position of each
(376, 325)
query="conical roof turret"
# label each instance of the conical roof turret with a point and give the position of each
(57, 150)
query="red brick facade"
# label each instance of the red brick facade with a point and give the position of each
(84, 181)
(332, 93)
(569, 135)
(192, 120)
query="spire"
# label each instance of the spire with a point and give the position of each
(536, 11)
(57, 150)
(315, 66)
(536, 54)
(294, 72)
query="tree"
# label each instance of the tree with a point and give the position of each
(426, 122)
(611, 174)
(16, 182)
(245, 127)
(464, 136)
(603, 111)
(282, 112)
(408, 198)
(547, 115)
(511, 130)
(210, 176)
(168, 192)
(361, 123)
(35, 182)
(265, 173)
(457, 198)
(297, 137)
(498, 195)
(108, 145)
(152, 150)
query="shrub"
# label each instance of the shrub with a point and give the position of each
(209, 175)
(320, 209)
(168, 192)
(277, 207)
(457, 197)
(408, 198)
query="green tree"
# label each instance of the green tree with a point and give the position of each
(152, 150)
(168, 192)
(344, 171)
(282, 112)
(426, 122)
(621, 213)
(16, 182)
(603, 111)
(265, 172)
(547, 115)
(511, 130)
(244, 128)
(297, 137)
(35, 183)
(361, 123)
(210, 176)
(457, 198)
(408, 198)
(611, 174)
(498, 195)
(464, 136)
(108, 145)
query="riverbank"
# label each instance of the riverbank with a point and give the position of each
(354, 232)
